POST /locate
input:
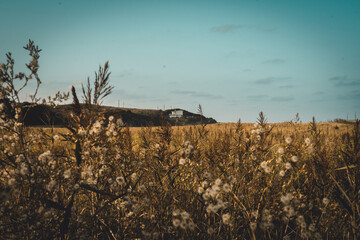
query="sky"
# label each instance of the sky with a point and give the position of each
(235, 58)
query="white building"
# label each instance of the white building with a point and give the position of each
(176, 114)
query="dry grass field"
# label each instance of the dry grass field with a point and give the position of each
(222, 181)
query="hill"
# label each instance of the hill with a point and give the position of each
(44, 115)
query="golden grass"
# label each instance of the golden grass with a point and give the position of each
(233, 180)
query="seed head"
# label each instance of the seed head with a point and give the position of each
(281, 150)
(226, 188)
(226, 218)
(176, 222)
(325, 201)
(67, 174)
(288, 165)
(253, 226)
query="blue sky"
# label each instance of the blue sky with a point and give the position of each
(235, 58)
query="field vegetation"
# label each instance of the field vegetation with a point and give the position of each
(99, 179)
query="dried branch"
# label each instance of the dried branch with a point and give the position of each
(102, 88)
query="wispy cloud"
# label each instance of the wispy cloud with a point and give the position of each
(183, 92)
(172, 83)
(196, 94)
(233, 102)
(123, 74)
(207, 95)
(135, 96)
(344, 81)
(130, 95)
(225, 28)
(319, 96)
(119, 92)
(257, 97)
(274, 61)
(264, 81)
(282, 99)
(287, 86)
(232, 54)
(269, 80)
(263, 29)
(352, 95)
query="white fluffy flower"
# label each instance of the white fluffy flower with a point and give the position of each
(285, 199)
(281, 150)
(134, 177)
(176, 212)
(176, 222)
(120, 180)
(182, 161)
(191, 225)
(294, 158)
(207, 175)
(288, 165)
(11, 181)
(226, 188)
(67, 174)
(218, 181)
(210, 231)
(51, 184)
(226, 218)
(185, 215)
(310, 149)
(45, 157)
(263, 164)
(253, 226)
(1, 107)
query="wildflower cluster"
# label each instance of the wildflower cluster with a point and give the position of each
(182, 219)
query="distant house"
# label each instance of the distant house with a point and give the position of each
(176, 114)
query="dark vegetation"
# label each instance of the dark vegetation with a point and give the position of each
(45, 115)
